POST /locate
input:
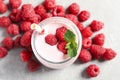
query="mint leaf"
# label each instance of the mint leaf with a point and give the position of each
(69, 36)
(68, 45)
(72, 52)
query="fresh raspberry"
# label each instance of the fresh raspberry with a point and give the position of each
(61, 47)
(51, 39)
(109, 54)
(25, 26)
(84, 15)
(13, 29)
(8, 43)
(60, 32)
(46, 15)
(85, 56)
(3, 7)
(74, 8)
(86, 42)
(49, 4)
(27, 12)
(26, 39)
(35, 19)
(40, 9)
(96, 25)
(4, 21)
(97, 51)
(87, 32)
(15, 15)
(25, 55)
(3, 52)
(92, 70)
(80, 26)
(58, 11)
(17, 41)
(99, 39)
(72, 17)
(33, 65)
(15, 3)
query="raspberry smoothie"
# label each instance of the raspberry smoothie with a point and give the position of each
(49, 55)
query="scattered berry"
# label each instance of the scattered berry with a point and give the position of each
(86, 42)
(3, 52)
(15, 15)
(35, 19)
(85, 56)
(4, 21)
(25, 55)
(74, 8)
(58, 11)
(33, 65)
(61, 47)
(51, 39)
(8, 43)
(49, 4)
(17, 41)
(15, 3)
(92, 70)
(84, 15)
(86, 32)
(99, 39)
(26, 39)
(97, 51)
(40, 9)
(96, 25)
(25, 26)
(60, 32)
(109, 54)
(46, 15)
(3, 7)
(80, 26)
(13, 29)
(72, 17)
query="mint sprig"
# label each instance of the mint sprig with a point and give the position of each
(71, 45)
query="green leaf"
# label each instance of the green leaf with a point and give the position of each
(69, 36)
(72, 52)
(68, 45)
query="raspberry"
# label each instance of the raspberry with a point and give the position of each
(17, 41)
(15, 15)
(85, 56)
(84, 15)
(8, 43)
(80, 26)
(109, 54)
(3, 7)
(27, 12)
(15, 3)
(58, 11)
(61, 47)
(4, 21)
(25, 55)
(96, 25)
(74, 8)
(40, 10)
(86, 32)
(49, 4)
(13, 29)
(46, 15)
(33, 65)
(97, 51)
(92, 70)
(25, 26)
(86, 42)
(26, 39)
(60, 32)
(29, 48)
(72, 17)
(99, 39)
(35, 19)
(3, 52)
(51, 39)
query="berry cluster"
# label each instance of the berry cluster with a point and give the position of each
(17, 24)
